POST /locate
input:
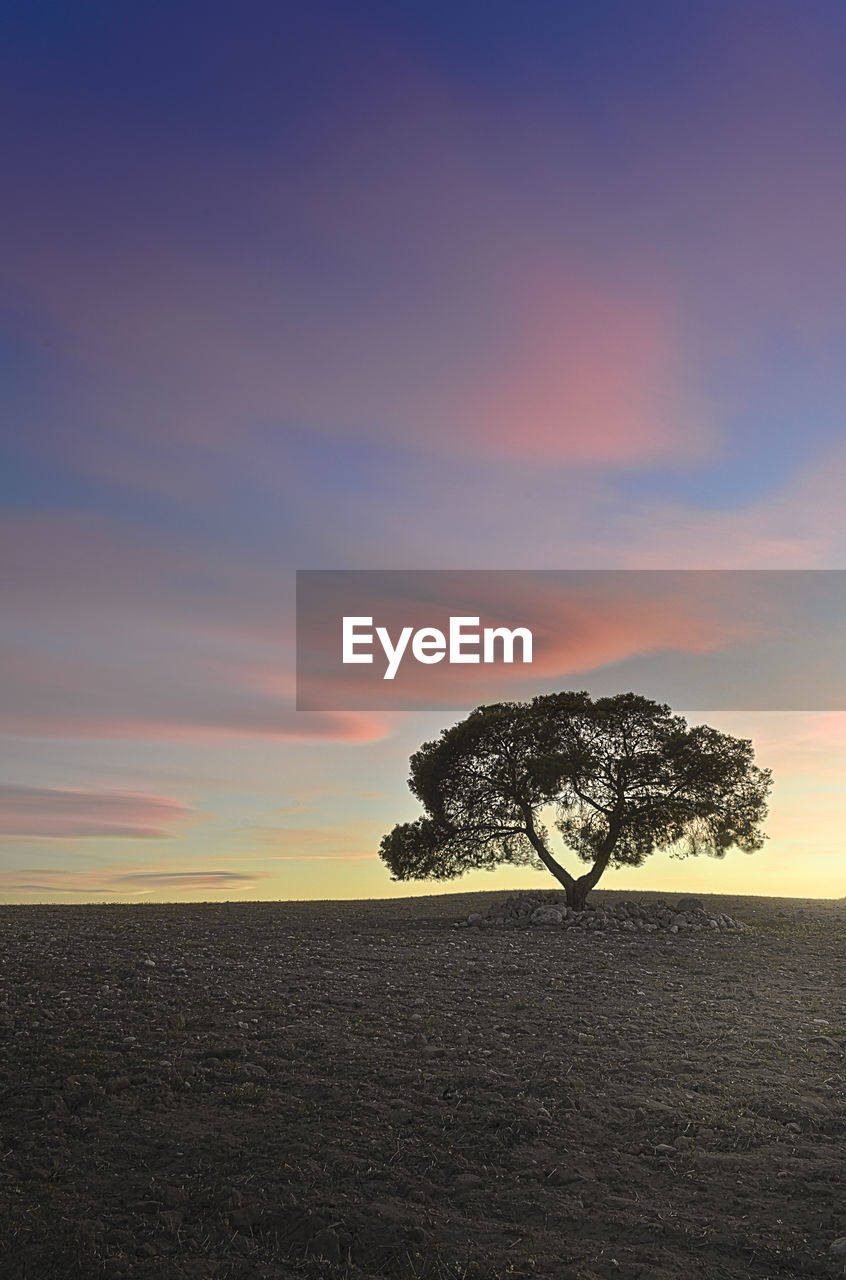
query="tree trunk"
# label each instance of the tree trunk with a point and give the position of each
(577, 890)
(584, 884)
(577, 897)
(552, 865)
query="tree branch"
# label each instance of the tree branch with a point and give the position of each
(552, 864)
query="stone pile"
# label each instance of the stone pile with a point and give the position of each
(550, 910)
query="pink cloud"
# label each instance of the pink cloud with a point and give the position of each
(494, 298)
(124, 882)
(53, 696)
(579, 626)
(572, 369)
(42, 812)
(584, 375)
(481, 324)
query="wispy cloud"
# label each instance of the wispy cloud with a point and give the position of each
(186, 879)
(102, 638)
(352, 841)
(56, 813)
(481, 327)
(118, 882)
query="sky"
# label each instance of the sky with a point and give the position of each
(390, 286)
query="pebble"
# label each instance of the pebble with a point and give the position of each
(550, 910)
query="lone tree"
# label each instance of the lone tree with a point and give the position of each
(626, 778)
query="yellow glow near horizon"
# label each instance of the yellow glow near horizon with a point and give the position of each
(338, 859)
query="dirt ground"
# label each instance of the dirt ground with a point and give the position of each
(333, 1089)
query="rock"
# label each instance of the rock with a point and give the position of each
(523, 910)
(837, 1248)
(546, 915)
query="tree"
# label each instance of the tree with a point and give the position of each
(625, 777)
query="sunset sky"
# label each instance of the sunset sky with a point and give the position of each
(397, 285)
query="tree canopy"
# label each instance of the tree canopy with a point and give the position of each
(625, 776)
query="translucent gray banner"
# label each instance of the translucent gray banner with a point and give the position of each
(764, 639)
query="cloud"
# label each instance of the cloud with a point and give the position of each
(99, 572)
(497, 515)
(109, 633)
(106, 633)
(584, 374)
(54, 813)
(458, 314)
(151, 707)
(553, 289)
(187, 879)
(123, 882)
(580, 624)
(797, 526)
(353, 841)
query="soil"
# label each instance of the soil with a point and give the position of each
(361, 1089)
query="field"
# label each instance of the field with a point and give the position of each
(363, 1089)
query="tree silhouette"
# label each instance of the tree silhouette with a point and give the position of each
(625, 775)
